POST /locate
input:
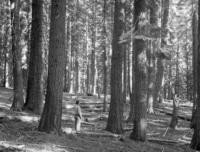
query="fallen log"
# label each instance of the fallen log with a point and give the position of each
(165, 141)
(183, 117)
(106, 134)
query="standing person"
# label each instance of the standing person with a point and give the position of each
(78, 116)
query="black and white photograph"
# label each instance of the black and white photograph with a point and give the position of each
(99, 75)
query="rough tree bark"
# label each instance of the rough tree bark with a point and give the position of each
(114, 123)
(35, 75)
(51, 116)
(160, 60)
(154, 16)
(195, 143)
(140, 87)
(18, 99)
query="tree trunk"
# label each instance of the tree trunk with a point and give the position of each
(169, 97)
(125, 59)
(140, 87)
(51, 116)
(124, 74)
(18, 99)
(5, 52)
(67, 60)
(154, 16)
(151, 71)
(195, 143)
(104, 57)
(35, 75)
(131, 78)
(88, 58)
(114, 123)
(177, 86)
(174, 119)
(140, 75)
(75, 50)
(187, 67)
(195, 63)
(76, 63)
(93, 54)
(4, 66)
(160, 61)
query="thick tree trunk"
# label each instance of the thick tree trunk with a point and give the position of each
(51, 116)
(195, 143)
(160, 61)
(35, 75)
(114, 123)
(18, 99)
(140, 87)
(154, 16)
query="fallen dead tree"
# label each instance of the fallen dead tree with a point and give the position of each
(167, 112)
(165, 141)
(103, 134)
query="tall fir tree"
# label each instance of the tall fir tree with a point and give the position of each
(51, 116)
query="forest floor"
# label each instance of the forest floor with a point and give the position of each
(18, 130)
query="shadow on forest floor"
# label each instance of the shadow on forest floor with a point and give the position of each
(18, 131)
